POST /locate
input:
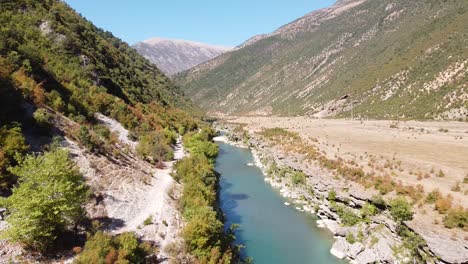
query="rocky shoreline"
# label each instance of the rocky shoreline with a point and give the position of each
(376, 240)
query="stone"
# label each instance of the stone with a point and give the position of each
(384, 251)
(355, 249)
(367, 256)
(339, 248)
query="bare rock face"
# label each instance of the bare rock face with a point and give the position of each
(174, 56)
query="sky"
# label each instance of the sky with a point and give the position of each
(218, 22)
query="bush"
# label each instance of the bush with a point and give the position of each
(442, 205)
(43, 118)
(456, 218)
(298, 177)
(155, 147)
(368, 210)
(347, 216)
(332, 195)
(401, 210)
(433, 196)
(350, 238)
(103, 248)
(49, 199)
(203, 234)
(148, 221)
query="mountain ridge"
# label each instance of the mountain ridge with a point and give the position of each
(363, 58)
(175, 55)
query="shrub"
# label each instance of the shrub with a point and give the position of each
(350, 238)
(456, 218)
(298, 177)
(332, 195)
(368, 210)
(103, 248)
(347, 216)
(401, 210)
(433, 196)
(47, 201)
(43, 118)
(442, 205)
(154, 146)
(148, 221)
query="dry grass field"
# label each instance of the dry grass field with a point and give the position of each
(433, 154)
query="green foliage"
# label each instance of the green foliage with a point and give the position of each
(433, 196)
(155, 146)
(48, 200)
(350, 238)
(12, 144)
(199, 143)
(457, 218)
(280, 133)
(42, 117)
(347, 216)
(102, 248)
(298, 177)
(332, 195)
(411, 244)
(148, 221)
(204, 232)
(401, 210)
(85, 138)
(368, 210)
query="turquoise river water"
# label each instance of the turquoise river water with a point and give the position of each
(272, 232)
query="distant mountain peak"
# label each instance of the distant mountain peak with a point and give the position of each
(175, 55)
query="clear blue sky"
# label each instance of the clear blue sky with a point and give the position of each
(220, 22)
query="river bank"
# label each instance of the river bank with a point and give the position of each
(333, 200)
(266, 225)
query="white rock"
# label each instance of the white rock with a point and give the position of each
(339, 248)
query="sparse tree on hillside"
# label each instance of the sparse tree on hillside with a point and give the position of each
(47, 201)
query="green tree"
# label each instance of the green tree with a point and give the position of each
(48, 200)
(401, 210)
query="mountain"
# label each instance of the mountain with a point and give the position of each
(362, 58)
(173, 56)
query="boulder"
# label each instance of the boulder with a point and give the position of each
(384, 251)
(367, 256)
(355, 249)
(339, 248)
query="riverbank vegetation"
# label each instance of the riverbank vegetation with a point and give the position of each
(293, 143)
(203, 233)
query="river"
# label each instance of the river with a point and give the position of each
(272, 232)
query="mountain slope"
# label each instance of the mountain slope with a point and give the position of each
(378, 59)
(65, 84)
(174, 56)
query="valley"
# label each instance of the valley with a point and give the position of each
(363, 162)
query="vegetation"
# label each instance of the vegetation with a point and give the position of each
(12, 144)
(401, 210)
(386, 66)
(203, 234)
(347, 216)
(48, 200)
(156, 147)
(457, 218)
(105, 249)
(298, 177)
(200, 143)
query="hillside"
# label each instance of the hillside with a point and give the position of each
(90, 132)
(375, 59)
(173, 56)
